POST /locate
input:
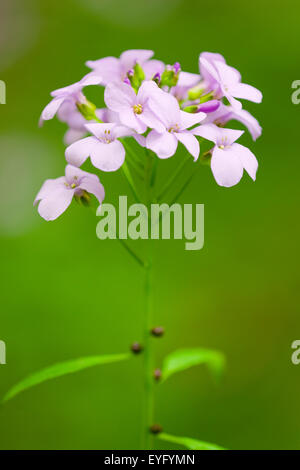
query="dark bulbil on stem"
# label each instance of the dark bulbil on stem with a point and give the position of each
(157, 374)
(156, 428)
(158, 331)
(136, 348)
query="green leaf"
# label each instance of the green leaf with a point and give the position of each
(60, 369)
(185, 358)
(189, 443)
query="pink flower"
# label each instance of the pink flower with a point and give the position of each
(176, 123)
(225, 80)
(56, 195)
(103, 147)
(228, 158)
(71, 94)
(112, 69)
(225, 114)
(134, 110)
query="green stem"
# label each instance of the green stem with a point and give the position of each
(130, 181)
(173, 177)
(132, 253)
(148, 410)
(148, 407)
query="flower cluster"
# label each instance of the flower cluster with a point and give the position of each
(159, 106)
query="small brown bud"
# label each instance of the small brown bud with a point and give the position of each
(158, 331)
(156, 428)
(157, 374)
(136, 348)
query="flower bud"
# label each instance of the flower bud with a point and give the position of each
(136, 76)
(195, 92)
(157, 374)
(156, 78)
(170, 75)
(156, 428)
(87, 109)
(83, 198)
(136, 348)
(157, 331)
(191, 109)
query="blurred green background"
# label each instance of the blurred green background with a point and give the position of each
(66, 294)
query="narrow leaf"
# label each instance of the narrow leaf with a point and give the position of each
(60, 369)
(189, 443)
(185, 358)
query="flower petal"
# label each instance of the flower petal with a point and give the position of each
(74, 173)
(226, 167)
(248, 120)
(109, 68)
(52, 108)
(190, 119)
(164, 145)
(119, 96)
(93, 186)
(48, 187)
(130, 57)
(79, 151)
(165, 107)
(247, 158)
(91, 79)
(98, 129)
(73, 135)
(56, 203)
(130, 119)
(228, 75)
(246, 92)
(190, 142)
(108, 157)
(151, 120)
(207, 131)
(151, 67)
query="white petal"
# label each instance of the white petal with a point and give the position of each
(130, 119)
(190, 142)
(98, 129)
(229, 75)
(130, 57)
(48, 187)
(246, 92)
(119, 96)
(165, 107)
(226, 167)
(164, 145)
(52, 108)
(72, 135)
(108, 157)
(247, 158)
(93, 186)
(79, 151)
(190, 119)
(208, 131)
(109, 68)
(55, 204)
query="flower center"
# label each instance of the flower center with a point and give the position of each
(107, 137)
(224, 143)
(174, 128)
(137, 109)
